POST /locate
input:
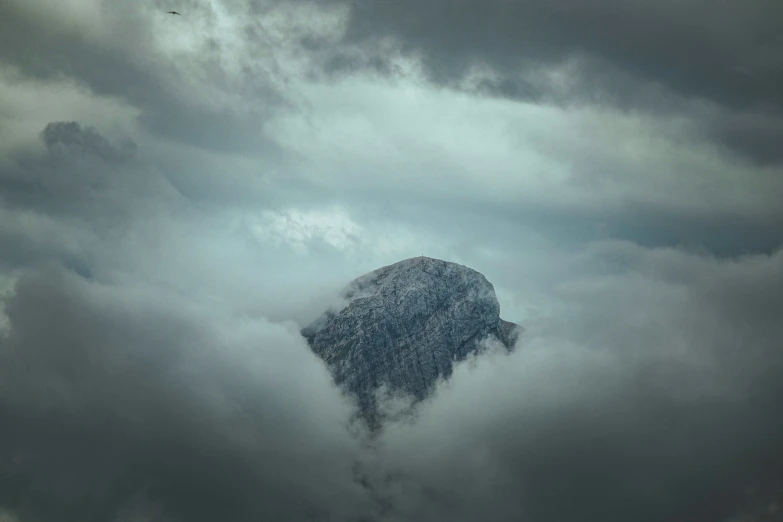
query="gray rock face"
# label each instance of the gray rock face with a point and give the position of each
(405, 325)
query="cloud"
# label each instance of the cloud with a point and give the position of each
(61, 202)
(725, 53)
(576, 173)
(178, 195)
(70, 138)
(297, 228)
(168, 380)
(755, 135)
(111, 392)
(633, 55)
(651, 395)
(652, 391)
(196, 95)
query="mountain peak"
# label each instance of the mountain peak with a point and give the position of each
(405, 325)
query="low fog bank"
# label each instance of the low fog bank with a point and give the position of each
(652, 394)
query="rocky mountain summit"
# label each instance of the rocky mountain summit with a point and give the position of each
(404, 326)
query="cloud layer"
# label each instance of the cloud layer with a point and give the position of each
(179, 194)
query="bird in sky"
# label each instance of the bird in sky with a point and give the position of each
(173, 12)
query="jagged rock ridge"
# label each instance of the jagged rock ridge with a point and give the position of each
(405, 325)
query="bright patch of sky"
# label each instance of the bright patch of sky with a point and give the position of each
(300, 229)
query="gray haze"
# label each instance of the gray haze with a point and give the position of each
(180, 195)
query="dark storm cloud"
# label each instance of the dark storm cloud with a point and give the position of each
(112, 397)
(758, 136)
(632, 53)
(125, 63)
(725, 51)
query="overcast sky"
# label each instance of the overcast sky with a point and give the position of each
(180, 194)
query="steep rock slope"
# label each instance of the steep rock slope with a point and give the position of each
(404, 325)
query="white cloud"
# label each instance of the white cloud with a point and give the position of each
(411, 140)
(300, 229)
